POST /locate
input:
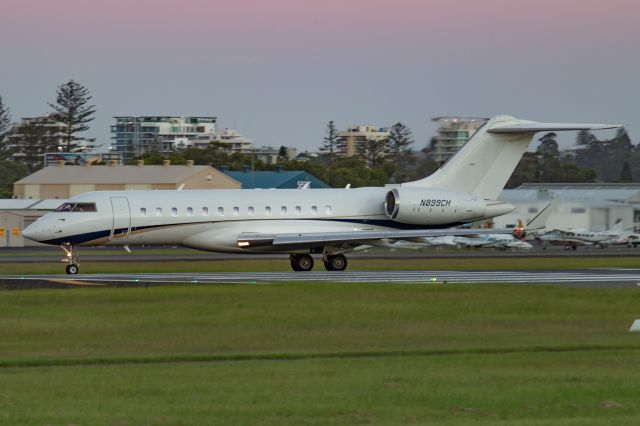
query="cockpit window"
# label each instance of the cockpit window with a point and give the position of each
(77, 207)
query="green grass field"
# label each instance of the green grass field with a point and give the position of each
(320, 354)
(265, 265)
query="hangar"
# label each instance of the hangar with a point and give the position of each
(593, 206)
(63, 181)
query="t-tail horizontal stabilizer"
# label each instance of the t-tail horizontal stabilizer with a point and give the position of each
(485, 163)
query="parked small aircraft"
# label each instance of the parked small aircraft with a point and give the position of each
(572, 239)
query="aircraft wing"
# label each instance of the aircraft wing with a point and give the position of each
(303, 240)
(316, 239)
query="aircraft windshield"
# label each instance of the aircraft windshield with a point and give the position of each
(77, 207)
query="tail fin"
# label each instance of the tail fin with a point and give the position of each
(539, 221)
(485, 163)
(618, 226)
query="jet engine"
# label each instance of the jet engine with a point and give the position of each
(426, 206)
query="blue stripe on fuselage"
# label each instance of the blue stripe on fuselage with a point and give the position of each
(388, 223)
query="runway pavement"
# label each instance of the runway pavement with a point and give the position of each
(596, 277)
(162, 254)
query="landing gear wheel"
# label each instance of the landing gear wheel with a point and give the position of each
(301, 262)
(71, 258)
(336, 262)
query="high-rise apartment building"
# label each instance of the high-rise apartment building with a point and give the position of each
(453, 133)
(134, 136)
(355, 135)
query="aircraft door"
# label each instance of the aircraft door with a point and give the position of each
(121, 225)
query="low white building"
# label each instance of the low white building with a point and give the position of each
(596, 206)
(231, 140)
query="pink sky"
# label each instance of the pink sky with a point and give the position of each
(315, 23)
(257, 63)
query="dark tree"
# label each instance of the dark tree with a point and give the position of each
(549, 146)
(585, 138)
(5, 124)
(10, 171)
(332, 144)
(625, 174)
(399, 141)
(73, 109)
(282, 153)
(35, 141)
(373, 151)
(5, 119)
(622, 141)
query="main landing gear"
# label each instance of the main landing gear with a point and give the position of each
(71, 258)
(336, 262)
(301, 262)
(304, 262)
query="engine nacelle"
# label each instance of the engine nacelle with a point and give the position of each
(426, 206)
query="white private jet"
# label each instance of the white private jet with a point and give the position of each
(299, 222)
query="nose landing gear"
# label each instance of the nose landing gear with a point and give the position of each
(71, 258)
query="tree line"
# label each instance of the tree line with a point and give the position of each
(589, 160)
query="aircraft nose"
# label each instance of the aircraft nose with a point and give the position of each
(36, 232)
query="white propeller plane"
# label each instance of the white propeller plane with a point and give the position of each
(330, 222)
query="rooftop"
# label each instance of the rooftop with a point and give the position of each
(112, 174)
(275, 179)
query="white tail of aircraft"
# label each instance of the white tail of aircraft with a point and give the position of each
(485, 163)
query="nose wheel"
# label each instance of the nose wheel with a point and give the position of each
(71, 258)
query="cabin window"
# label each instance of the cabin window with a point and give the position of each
(283, 210)
(298, 210)
(174, 211)
(533, 210)
(220, 211)
(251, 211)
(143, 211)
(158, 211)
(236, 211)
(314, 210)
(189, 211)
(205, 211)
(578, 210)
(327, 210)
(267, 210)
